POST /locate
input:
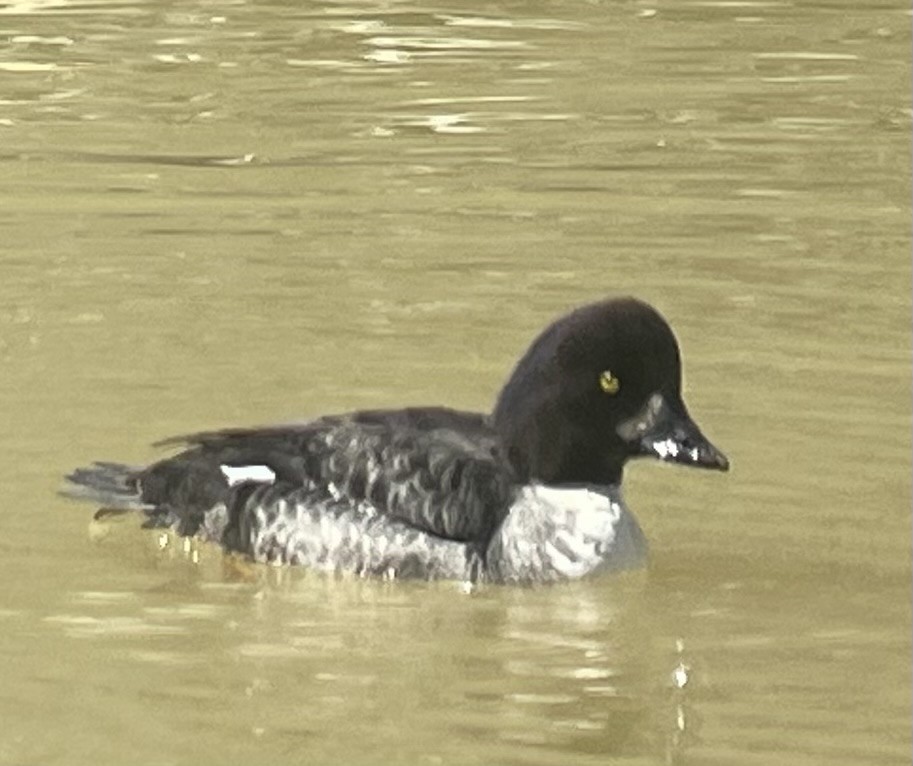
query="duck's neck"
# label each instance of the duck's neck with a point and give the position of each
(543, 446)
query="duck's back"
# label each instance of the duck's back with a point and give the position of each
(435, 471)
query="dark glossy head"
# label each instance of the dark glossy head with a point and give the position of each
(597, 387)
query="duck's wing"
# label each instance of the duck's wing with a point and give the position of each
(439, 471)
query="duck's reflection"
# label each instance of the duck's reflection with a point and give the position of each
(568, 669)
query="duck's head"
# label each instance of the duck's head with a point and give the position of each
(597, 387)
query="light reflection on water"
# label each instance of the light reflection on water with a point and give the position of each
(574, 657)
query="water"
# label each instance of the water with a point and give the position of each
(221, 213)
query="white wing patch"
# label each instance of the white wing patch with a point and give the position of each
(235, 474)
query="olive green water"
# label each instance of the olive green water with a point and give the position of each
(217, 213)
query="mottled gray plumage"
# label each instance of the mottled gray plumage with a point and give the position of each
(528, 494)
(281, 524)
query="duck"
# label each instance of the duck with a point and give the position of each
(529, 493)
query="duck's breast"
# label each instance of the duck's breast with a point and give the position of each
(565, 533)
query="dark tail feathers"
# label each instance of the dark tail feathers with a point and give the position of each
(112, 486)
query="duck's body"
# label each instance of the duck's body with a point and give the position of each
(530, 493)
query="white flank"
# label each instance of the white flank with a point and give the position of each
(238, 473)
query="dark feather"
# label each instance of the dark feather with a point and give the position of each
(412, 465)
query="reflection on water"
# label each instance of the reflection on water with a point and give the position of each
(568, 669)
(236, 213)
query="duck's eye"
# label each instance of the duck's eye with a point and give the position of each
(609, 384)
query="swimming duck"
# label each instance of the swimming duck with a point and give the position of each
(530, 493)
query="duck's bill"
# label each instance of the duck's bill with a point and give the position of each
(668, 433)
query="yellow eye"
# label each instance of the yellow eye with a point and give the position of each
(609, 383)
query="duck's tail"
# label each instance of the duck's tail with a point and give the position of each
(113, 486)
